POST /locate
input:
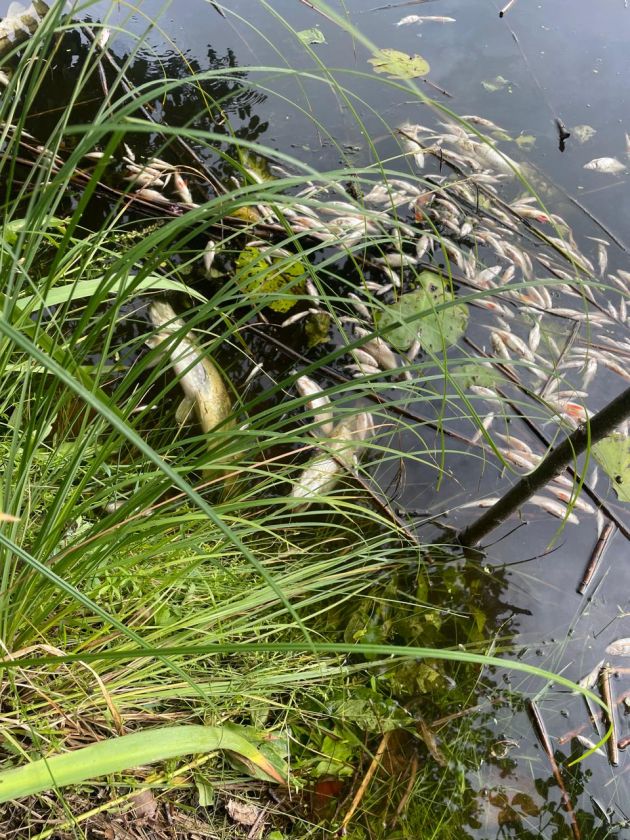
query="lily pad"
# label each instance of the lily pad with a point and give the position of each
(613, 455)
(437, 329)
(312, 36)
(399, 65)
(493, 85)
(259, 275)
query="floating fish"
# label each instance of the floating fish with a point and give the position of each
(201, 382)
(324, 471)
(317, 402)
(619, 648)
(20, 23)
(608, 165)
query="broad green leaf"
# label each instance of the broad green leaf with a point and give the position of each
(312, 36)
(613, 455)
(398, 64)
(13, 229)
(258, 276)
(338, 757)
(371, 711)
(113, 755)
(87, 288)
(436, 329)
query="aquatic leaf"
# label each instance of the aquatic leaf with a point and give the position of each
(11, 230)
(257, 276)
(437, 328)
(583, 133)
(113, 755)
(493, 85)
(371, 711)
(613, 455)
(398, 64)
(608, 165)
(317, 328)
(312, 36)
(525, 141)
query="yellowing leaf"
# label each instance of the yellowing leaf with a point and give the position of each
(398, 64)
(258, 276)
(613, 455)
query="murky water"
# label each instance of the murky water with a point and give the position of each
(563, 60)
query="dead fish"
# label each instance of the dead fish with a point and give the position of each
(554, 508)
(324, 471)
(590, 745)
(209, 253)
(317, 402)
(591, 678)
(20, 23)
(608, 165)
(422, 18)
(198, 377)
(621, 647)
(151, 195)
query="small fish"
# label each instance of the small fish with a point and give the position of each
(591, 678)
(621, 647)
(209, 253)
(590, 745)
(554, 508)
(317, 402)
(608, 165)
(151, 195)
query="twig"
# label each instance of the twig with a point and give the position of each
(506, 8)
(413, 773)
(366, 781)
(596, 556)
(541, 732)
(611, 743)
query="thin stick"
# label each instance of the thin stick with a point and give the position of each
(611, 743)
(506, 8)
(600, 547)
(405, 797)
(541, 732)
(366, 781)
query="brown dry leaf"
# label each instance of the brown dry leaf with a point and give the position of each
(242, 812)
(145, 805)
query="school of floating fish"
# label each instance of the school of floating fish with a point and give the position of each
(524, 261)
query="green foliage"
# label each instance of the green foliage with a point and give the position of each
(399, 65)
(427, 315)
(268, 280)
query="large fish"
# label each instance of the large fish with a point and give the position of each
(201, 382)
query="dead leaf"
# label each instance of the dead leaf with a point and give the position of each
(244, 813)
(145, 805)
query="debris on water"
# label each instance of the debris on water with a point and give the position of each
(607, 165)
(20, 24)
(583, 133)
(621, 647)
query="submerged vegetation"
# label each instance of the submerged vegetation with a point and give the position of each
(227, 380)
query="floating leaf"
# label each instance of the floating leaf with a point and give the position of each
(437, 328)
(525, 141)
(398, 64)
(583, 133)
(317, 328)
(257, 275)
(613, 455)
(312, 36)
(493, 85)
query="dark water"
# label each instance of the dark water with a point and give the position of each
(565, 60)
